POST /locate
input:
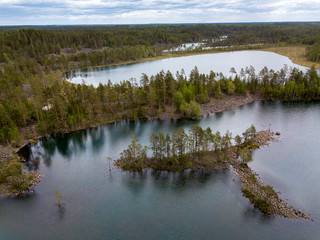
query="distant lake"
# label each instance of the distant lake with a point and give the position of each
(163, 205)
(217, 62)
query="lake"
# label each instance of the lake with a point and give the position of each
(217, 62)
(103, 204)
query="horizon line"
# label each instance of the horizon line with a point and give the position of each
(141, 24)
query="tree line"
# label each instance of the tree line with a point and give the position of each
(35, 49)
(199, 148)
(56, 105)
(32, 58)
(40, 41)
(34, 95)
(313, 52)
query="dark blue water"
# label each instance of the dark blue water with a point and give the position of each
(159, 205)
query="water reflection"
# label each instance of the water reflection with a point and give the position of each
(175, 181)
(250, 213)
(61, 211)
(97, 139)
(188, 205)
(135, 181)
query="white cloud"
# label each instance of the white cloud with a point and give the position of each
(152, 11)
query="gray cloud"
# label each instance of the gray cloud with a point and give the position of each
(40, 12)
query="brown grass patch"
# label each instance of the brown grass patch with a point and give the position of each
(297, 54)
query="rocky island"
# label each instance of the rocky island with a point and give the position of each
(202, 149)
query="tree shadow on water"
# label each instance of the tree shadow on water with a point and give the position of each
(180, 180)
(61, 211)
(135, 181)
(252, 213)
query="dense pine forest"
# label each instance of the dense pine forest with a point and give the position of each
(32, 59)
(35, 49)
(61, 106)
(35, 100)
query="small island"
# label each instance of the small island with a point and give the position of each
(202, 149)
(14, 180)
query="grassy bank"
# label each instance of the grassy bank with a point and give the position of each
(178, 54)
(297, 54)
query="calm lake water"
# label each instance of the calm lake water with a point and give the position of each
(161, 205)
(217, 62)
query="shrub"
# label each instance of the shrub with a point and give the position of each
(270, 191)
(245, 191)
(259, 203)
(243, 165)
(262, 205)
(252, 178)
(12, 175)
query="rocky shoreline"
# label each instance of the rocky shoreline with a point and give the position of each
(5, 189)
(256, 187)
(260, 190)
(261, 195)
(228, 103)
(215, 105)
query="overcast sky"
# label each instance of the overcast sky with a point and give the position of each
(54, 12)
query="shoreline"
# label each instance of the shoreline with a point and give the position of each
(261, 190)
(228, 103)
(261, 195)
(174, 55)
(215, 105)
(6, 193)
(294, 52)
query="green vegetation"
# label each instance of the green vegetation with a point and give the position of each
(262, 197)
(200, 148)
(12, 178)
(68, 46)
(313, 52)
(32, 59)
(270, 192)
(61, 106)
(259, 203)
(252, 178)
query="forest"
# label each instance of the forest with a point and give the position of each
(33, 92)
(197, 149)
(32, 50)
(61, 106)
(35, 100)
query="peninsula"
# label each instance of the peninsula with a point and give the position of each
(202, 149)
